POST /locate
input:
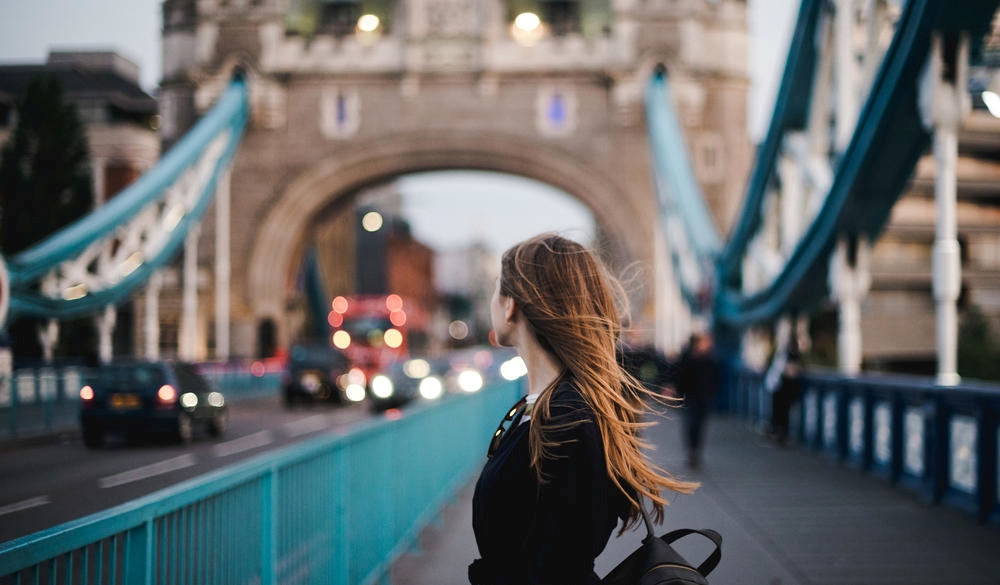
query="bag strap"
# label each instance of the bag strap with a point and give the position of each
(713, 559)
(645, 517)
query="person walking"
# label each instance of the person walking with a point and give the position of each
(566, 464)
(697, 383)
(785, 387)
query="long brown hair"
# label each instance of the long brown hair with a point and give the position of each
(572, 304)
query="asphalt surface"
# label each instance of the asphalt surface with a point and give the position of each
(46, 480)
(788, 516)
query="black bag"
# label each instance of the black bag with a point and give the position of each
(657, 563)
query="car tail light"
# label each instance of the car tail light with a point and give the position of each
(86, 393)
(166, 393)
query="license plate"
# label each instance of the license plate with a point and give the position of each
(125, 401)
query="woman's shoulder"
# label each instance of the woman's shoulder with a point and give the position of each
(568, 403)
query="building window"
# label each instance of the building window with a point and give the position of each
(339, 18)
(708, 155)
(555, 111)
(591, 18)
(562, 16)
(117, 176)
(6, 114)
(168, 115)
(340, 113)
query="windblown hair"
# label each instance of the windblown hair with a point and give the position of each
(573, 306)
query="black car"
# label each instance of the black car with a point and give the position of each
(318, 373)
(160, 397)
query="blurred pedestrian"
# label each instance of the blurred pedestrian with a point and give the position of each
(785, 384)
(697, 384)
(566, 463)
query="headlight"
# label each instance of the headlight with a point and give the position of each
(431, 388)
(381, 386)
(189, 400)
(354, 377)
(470, 381)
(416, 368)
(355, 392)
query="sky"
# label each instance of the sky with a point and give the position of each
(442, 212)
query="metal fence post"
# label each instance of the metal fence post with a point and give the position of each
(268, 529)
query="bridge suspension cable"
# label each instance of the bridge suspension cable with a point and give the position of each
(692, 240)
(103, 257)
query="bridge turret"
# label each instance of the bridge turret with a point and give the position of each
(348, 93)
(704, 44)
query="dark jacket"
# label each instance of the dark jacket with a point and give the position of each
(697, 379)
(531, 534)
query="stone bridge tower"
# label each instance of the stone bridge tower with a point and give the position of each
(347, 93)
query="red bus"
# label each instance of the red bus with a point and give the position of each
(375, 330)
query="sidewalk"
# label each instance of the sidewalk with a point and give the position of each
(787, 516)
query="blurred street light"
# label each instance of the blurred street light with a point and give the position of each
(372, 221)
(458, 330)
(526, 29)
(368, 23)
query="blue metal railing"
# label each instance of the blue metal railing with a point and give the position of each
(39, 401)
(334, 510)
(941, 443)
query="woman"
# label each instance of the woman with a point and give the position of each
(570, 464)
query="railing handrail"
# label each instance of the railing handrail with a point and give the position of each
(904, 382)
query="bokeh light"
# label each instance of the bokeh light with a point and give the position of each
(372, 221)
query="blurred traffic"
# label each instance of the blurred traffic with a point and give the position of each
(327, 375)
(318, 373)
(133, 398)
(431, 378)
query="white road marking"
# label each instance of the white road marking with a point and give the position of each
(24, 505)
(316, 422)
(258, 439)
(147, 471)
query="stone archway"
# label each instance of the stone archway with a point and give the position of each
(624, 217)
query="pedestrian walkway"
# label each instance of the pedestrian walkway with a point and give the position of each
(788, 516)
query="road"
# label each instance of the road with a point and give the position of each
(44, 485)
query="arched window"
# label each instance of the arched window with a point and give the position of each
(339, 18)
(591, 18)
(562, 16)
(555, 111)
(340, 112)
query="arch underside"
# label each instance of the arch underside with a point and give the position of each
(623, 218)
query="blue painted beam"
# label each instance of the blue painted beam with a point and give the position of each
(791, 112)
(678, 192)
(871, 175)
(229, 114)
